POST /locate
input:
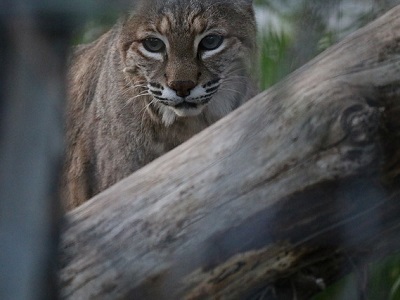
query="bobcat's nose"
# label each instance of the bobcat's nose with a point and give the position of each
(182, 87)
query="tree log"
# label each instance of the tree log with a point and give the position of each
(284, 196)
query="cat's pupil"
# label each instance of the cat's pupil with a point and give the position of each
(211, 42)
(153, 45)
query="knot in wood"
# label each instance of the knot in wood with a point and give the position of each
(361, 123)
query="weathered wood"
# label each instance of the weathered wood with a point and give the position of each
(293, 189)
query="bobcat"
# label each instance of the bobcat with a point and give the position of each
(162, 74)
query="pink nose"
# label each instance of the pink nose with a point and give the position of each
(182, 87)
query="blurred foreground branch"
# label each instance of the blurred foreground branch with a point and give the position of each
(34, 38)
(284, 196)
(32, 57)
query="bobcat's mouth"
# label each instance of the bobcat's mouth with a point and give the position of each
(184, 102)
(185, 108)
(179, 105)
(190, 105)
(186, 105)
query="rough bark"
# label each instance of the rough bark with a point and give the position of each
(285, 195)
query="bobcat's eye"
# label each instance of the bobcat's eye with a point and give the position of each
(153, 45)
(211, 42)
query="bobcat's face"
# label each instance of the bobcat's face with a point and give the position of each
(189, 55)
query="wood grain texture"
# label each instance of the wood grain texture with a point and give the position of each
(284, 195)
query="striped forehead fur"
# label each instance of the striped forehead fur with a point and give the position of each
(180, 17)
(184, 10)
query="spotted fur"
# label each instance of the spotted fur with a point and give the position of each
(124, 108)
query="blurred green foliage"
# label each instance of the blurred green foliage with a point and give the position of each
(95, 27)
(273, 57)
(383, 283)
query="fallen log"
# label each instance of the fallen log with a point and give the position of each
(283, 196)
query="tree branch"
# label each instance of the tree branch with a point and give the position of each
(284, 195)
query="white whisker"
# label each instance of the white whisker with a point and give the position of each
(143, 111)
(140, 95)
(232, 90)
(130, 100)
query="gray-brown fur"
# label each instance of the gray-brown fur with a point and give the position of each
(114, 126)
